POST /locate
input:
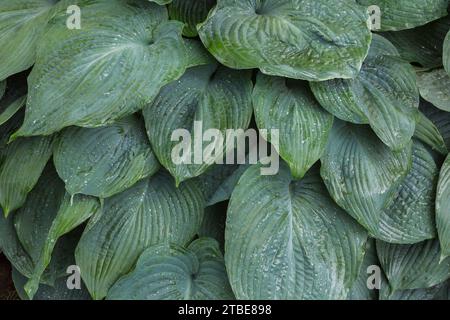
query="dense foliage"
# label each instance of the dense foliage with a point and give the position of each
(92, 91)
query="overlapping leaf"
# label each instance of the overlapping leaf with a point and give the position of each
(413, 266)
(362, 174)
(407, 14)
(210, 96)
(22, 23)
(72, 212)
(284, 239)
(309, 39)
(422, 45)
(22, 165)
(191, 12)
(289, 107)
(104, 161)
(150, 212)
(171, 272)
(434, 87)
(443, 208)
(360, 289)
(428, 133)
(115, 64)
(383, 95)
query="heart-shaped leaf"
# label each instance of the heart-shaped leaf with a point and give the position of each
(383, 95)
(206, 97)
(150, 212)
(413, 266)
(289, 107)
(191, 12)
(301, 39)
(362, 174)
(443, 208)
(171, 272)
(407, 14)
(283, 239)
(104, 161)
(110, 68)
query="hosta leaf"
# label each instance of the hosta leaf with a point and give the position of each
(218, 97)
(409, 218)
(115, 64)
(362, 174)
(9, 106)
(290, 107)
(73, 211)
(407, 14)
(434, 87)
(58, 291)
(427, 132)
(301, 39)
(440, 119)
(383, 95)
(24, 234)
(413, 266)
(150, 212)
(23, 162)
(225, 188)
(12, 248)
(443, 208)
(414, 294)
(422, 45)
(283, 239)
(170, 272)
(22, 23)
(360, 290)
(213, 179)
(104, 161)
(191, 12)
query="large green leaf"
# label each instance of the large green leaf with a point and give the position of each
(439, 118)
(214, 97)
(428, 133)
(150, 212)
(12, 98)
(289, 106)
(360, 289)
(287, 239)
(407, 14)
(362, 174)
(413, 266)
(171, 272)
(22, 23)
(22, 165)
(116, 63)
(24, 235)
(104, 161)
(191, 12)
(443, 208)
(301, 39)
(434, 87)
(72, 211)
(409, 218)
(383, 95)
(422, 45)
